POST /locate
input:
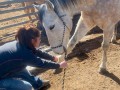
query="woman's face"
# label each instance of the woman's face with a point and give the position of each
(36, 42)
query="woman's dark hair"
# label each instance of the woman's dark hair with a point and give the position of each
(26, 34)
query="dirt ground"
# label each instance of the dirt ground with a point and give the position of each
(82, 72)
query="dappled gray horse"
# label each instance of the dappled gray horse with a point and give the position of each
(56, 16)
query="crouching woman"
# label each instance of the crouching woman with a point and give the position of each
(16, 55)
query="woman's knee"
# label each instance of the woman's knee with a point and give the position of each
(13, 84)
(27, 86)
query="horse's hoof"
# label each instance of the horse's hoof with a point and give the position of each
(102, 71)
(114, 41)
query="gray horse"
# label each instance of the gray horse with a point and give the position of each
(56, 16)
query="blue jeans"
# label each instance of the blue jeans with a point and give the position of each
(21, 81)
(14, 84)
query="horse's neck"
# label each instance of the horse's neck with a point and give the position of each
(77, 10)
(86, 6)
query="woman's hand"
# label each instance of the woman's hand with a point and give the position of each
(56, 59)
(63, 64)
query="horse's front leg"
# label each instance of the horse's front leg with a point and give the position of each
(105, 44)
(85, 24)
(80, 31)
(114, 37)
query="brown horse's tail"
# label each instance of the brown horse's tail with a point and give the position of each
(23, 4)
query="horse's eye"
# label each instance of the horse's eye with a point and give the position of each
(52, 27)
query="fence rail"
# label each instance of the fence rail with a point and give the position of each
(21, 23)
(24, 15)
(15, 1)
(15, 10)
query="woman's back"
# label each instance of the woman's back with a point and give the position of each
(10, 58)
(7, 50)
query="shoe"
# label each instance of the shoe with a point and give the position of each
(45, 83)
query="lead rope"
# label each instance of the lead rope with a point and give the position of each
(64, 70)
(63, 82)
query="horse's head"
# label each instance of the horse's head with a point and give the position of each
(57, 26)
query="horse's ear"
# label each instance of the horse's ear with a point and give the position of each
(36, 6)
(90, 2)
(49, 4)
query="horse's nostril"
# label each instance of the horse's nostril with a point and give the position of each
(52, 27)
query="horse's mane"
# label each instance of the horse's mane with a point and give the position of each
(65, 4)
(41, 12)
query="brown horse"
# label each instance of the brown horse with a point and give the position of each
(31, 10)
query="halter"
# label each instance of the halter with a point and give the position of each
(64, 24)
